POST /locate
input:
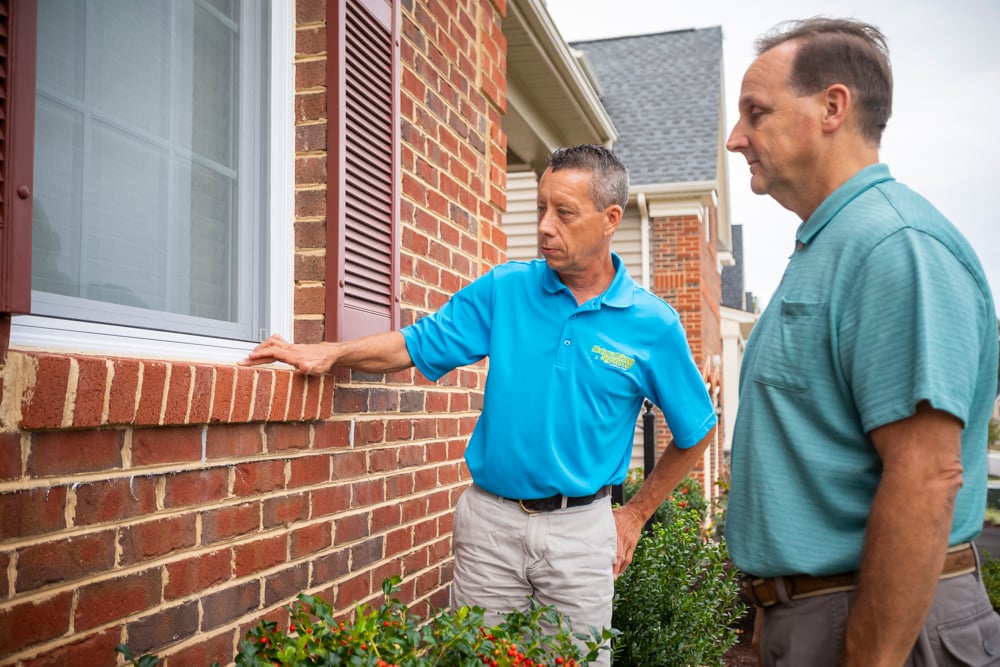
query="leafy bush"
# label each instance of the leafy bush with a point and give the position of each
(677, 603)
(390, 636)
(991, 578)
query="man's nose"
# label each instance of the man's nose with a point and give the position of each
(737, 139)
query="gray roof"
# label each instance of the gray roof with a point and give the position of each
(732, 276)
(663, 92)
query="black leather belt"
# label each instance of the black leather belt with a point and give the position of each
(558, 501)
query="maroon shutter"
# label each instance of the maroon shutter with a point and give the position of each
(362, 174)
(17, 141)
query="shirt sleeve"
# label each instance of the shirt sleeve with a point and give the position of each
(911, 332)
(457, 334)
(678, 389)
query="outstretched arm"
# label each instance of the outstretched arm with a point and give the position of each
(378, 353)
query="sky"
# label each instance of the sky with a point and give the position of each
(942, 140)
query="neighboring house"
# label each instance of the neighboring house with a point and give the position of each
(664, 94)
(179, 179)
(739, 315)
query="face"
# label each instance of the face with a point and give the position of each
(573, 235)
(777, 131)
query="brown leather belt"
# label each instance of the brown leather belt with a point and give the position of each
(960, 559)
(558, 502)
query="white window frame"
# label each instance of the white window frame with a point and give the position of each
(30, 332)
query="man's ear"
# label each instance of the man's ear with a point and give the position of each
(612, 217)
(837, 104)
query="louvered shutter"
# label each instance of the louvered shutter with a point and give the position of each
(17, 136)
(362, 174)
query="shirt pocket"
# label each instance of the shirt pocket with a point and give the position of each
(789, 353)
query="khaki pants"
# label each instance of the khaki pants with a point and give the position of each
(961, 629)
(564, 558)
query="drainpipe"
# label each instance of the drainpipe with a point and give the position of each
(644, 238)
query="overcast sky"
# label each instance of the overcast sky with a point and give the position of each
(943, 139)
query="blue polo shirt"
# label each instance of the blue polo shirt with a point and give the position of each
(883, 305)
(565, 381)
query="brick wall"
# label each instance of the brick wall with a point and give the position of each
(172, 505)
(686, 275)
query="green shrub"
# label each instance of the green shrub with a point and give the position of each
(390, 636)
(677, 603)
(991, 578)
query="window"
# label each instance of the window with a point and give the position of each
(162, 131)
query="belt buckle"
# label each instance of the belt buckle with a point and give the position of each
(520, 503)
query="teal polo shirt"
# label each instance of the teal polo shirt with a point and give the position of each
(883, 304)
(565, 381)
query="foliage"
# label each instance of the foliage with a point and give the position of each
(993, 434)
(677, 603)
(391, 636)
(688, 496)
(990, 568)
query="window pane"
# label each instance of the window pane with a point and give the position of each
(141, 198)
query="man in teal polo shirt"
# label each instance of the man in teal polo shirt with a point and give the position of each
(575, 346)
(859, 450)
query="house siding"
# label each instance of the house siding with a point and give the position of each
(171, 505)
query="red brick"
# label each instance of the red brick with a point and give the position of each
(330, 500)
(216, 649)
(259, 555)
(242, 399)
(162, 627)
(200, 409)
(330, 567)
(309, 470)
(143, 541)
(198, 573)
(64, 560)
(279, 396)
(154, 385)
(331, 435)
(117, 598)
(366, 553)
(308, 540)
(285, 510)
(353, 591)
(229, 522)
(158, 446)
(29, 623)
(347, 465)
(73, 452)
(286, 584)
(222, 403)
(4, 585)
(196, 487)
(310, 410)
(124, 387)
(262, 395)
(229, 604)
(367, 492)
(114, 500)
(296, 396)
(91, 387)
(239, 441)
(44, 404)
(10, 456)
(259, 477)
(350, 528)
(176, 408)
(28, 512)
(286, 437)
(93, 649)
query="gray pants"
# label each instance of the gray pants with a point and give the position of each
(564, 558)
(961, 629)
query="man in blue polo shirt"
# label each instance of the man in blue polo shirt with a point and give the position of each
(575, 346)
(859, 450)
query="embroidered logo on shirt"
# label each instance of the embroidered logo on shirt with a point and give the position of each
(616, 359)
